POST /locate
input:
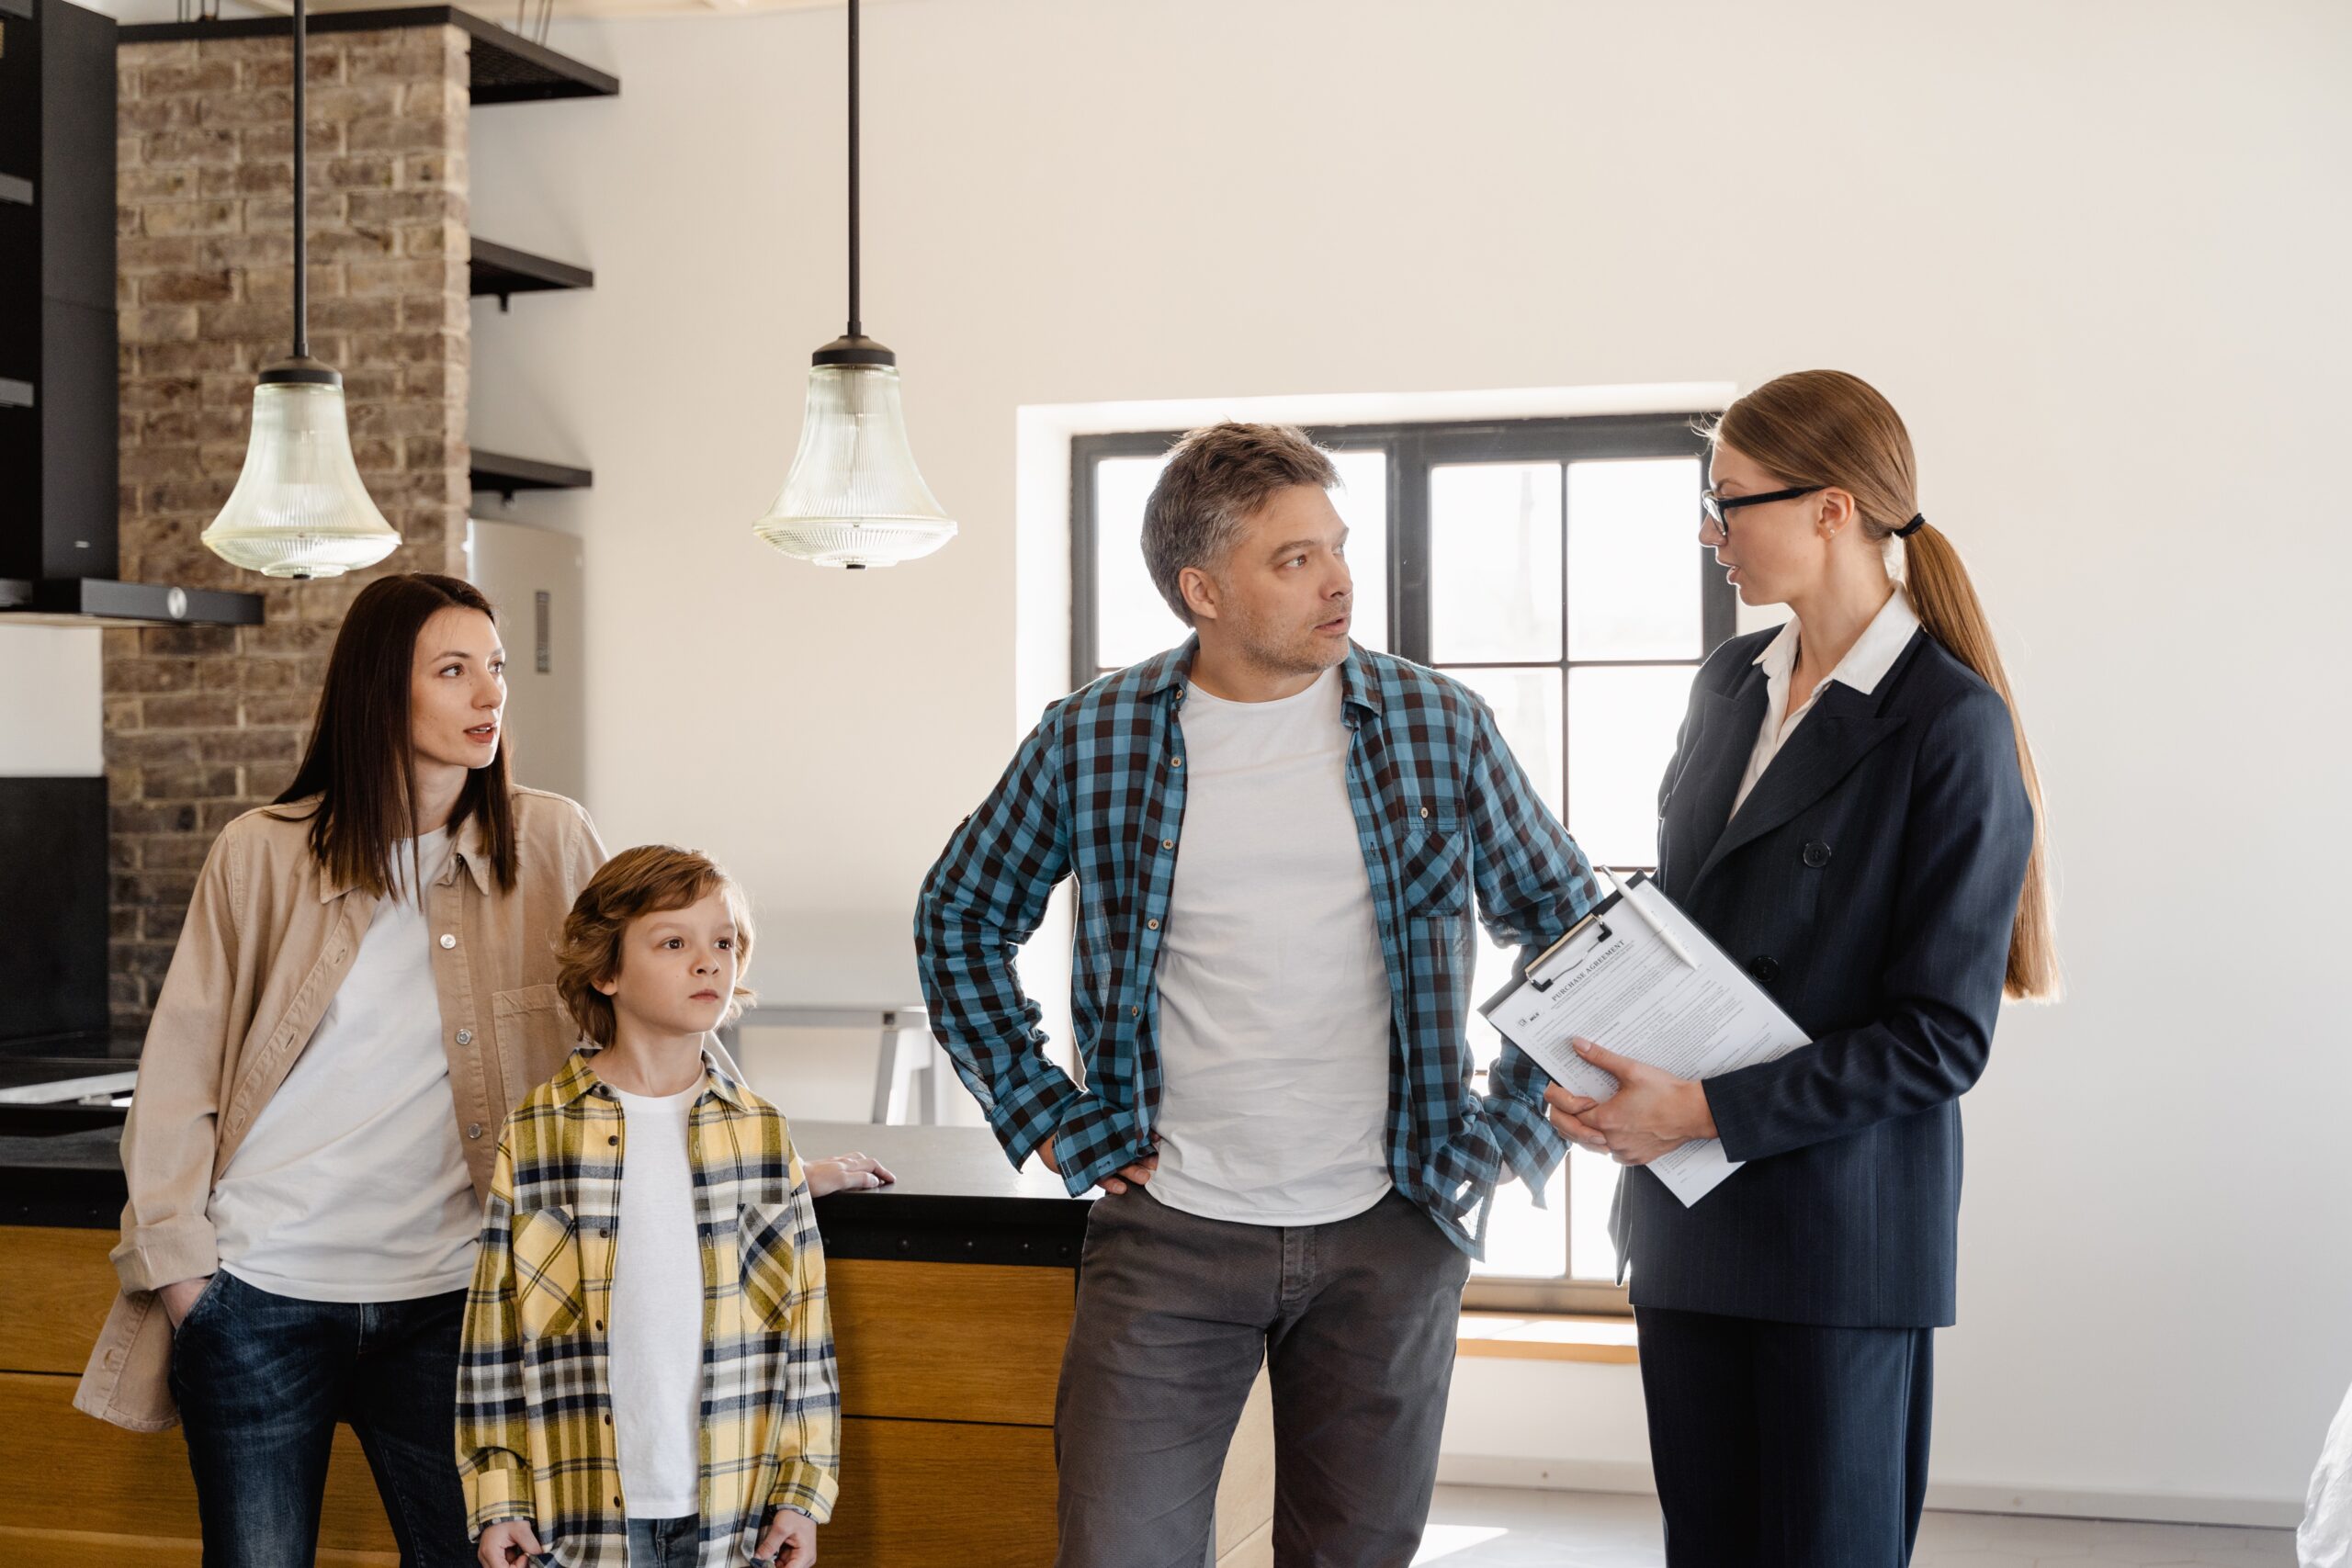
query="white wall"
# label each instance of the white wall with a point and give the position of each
(2093, 251)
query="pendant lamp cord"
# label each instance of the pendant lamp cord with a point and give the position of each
(301, 195)
(855, 327)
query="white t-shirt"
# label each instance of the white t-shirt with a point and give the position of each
(352, 1185)
(1273, 998)
(657, 1334)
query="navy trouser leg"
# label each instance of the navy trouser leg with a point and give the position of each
(1782, 1445)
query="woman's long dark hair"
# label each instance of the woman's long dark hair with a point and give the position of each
(360, 766)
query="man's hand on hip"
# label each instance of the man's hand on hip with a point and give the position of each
(1139, 1173)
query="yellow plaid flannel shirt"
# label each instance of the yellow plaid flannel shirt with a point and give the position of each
(535, 1420)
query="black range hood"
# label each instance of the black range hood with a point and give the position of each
(59, 396)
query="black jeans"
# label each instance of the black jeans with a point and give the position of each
(261, 1380)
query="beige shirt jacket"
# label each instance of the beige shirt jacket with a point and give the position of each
(268, 938)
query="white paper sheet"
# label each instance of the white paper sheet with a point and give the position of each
(1615, 983)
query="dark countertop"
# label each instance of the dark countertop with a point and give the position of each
(956, 1198)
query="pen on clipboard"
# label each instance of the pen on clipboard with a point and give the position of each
(1625, 896)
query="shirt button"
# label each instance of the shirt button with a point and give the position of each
(465, 1037)
(1135, 1012)
(1152, 925)
(473, 1129)
(1167, 843)
(600, 1328)
(614, 1138)
(1425, 811)
(1176, 762)
(448, 941)
(1817, 854)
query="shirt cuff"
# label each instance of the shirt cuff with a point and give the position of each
(183, 1247)
(494, 1494)
(808, 1487)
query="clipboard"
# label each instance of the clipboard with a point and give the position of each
(1614, 977)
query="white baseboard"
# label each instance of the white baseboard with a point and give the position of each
(1546, 1474)
(2155, 1507)
(1631, 1475)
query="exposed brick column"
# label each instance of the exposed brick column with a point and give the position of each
(203, 723)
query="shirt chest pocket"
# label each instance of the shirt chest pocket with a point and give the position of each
(770, 1269)
(534, 1031)
(1432, 860)
(549, 1300)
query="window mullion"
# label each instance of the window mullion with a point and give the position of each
(1409, 561)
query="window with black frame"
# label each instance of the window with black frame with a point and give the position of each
(1553, 566)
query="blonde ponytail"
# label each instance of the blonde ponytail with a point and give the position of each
(1824, 427)
(1948, 607)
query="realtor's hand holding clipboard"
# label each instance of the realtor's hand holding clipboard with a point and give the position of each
(1637, 976)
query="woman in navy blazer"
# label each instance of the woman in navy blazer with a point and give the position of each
(1851, 812)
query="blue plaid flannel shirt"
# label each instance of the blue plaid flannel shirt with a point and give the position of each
(1097, 791)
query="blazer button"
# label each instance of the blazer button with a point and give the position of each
(1817, 854)
(448, 941)
(1765, 967)
(465, 1037)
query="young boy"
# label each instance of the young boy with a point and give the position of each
(646, 1374)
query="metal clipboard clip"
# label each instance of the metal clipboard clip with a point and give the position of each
(1602, 935)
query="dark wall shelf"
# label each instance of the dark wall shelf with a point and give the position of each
(503, 271)
(507, 67)
(503, 474)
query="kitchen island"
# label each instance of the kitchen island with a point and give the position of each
(951, 1295)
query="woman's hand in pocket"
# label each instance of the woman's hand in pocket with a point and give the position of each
(179, 1298)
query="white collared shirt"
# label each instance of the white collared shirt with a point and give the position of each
(1864, 666)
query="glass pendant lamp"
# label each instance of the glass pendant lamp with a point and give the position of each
(299, 509)
(855, 498)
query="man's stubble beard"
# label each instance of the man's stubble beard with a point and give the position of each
(1303, 654)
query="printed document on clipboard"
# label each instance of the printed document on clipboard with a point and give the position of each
(1681, 1005)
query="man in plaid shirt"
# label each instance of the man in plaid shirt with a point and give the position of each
(1276, 836)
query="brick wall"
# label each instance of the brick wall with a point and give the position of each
(203, 723)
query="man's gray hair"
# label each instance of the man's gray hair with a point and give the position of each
(1216, 478)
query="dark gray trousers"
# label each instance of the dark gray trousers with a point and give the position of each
(1355, 1321)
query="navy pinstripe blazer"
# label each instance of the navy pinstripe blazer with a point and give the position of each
(1870, 881)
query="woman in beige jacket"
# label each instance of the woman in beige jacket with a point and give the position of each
(364, 986)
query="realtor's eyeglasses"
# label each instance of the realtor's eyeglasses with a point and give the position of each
(1719, 508)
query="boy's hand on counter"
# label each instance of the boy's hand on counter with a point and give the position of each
(180, 1296)
(789, 1541)
(507, 1542)
(844, 1173)
(1139, 1173)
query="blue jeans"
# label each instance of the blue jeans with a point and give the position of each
(261, 1380)
(663, 1544)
